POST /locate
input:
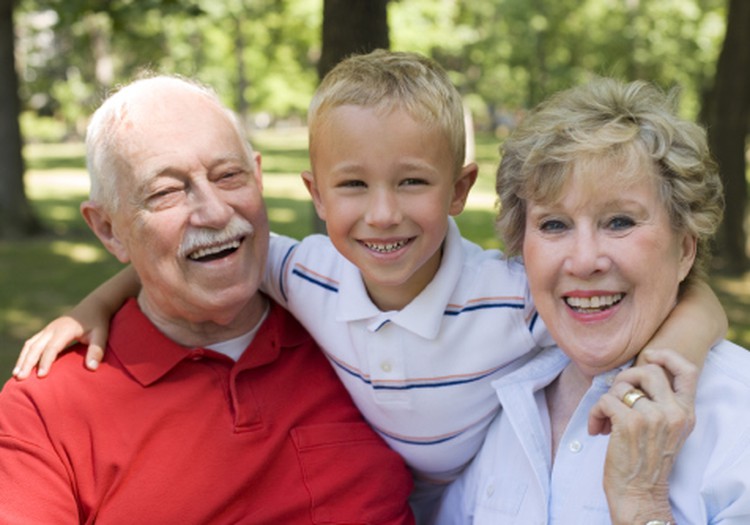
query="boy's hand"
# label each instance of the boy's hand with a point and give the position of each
(44, 346)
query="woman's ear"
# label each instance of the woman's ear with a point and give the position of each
(100, 222)
(312, 187)
(687, 257)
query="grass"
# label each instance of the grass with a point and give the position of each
(42, 277)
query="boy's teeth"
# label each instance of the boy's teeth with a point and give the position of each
(211, 250)
(387, 247)
(592, 303)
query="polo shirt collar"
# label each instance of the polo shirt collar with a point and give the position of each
(424, 315)
(148, 355)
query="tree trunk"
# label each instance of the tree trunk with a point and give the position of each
(352, 26)
(729, 116)
(349, 27)
(16, 217)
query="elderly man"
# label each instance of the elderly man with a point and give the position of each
(212, 405)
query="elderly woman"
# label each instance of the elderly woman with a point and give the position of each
(612, 200)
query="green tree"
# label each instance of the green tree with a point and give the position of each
(729, 121)
(16, 217)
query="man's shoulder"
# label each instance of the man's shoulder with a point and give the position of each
(67, 376)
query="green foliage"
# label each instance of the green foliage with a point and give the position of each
(260, 55)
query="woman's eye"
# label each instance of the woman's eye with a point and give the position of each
(620, 222)
(552, 225)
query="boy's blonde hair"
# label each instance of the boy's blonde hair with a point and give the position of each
(385, 80)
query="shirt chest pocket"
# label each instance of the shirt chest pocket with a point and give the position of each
(501, 501)
(351, 475)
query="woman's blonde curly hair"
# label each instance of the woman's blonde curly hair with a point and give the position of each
(611, 123)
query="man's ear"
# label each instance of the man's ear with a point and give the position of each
(258, 170)
(100, 223)
(312, 188)
(461, 187)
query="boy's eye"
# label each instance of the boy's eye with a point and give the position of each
(353, 183)
(413, 181)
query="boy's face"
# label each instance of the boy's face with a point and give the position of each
(385, 186)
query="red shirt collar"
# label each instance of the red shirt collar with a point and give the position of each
(148, 355)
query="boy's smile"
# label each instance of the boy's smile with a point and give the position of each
(383, 182)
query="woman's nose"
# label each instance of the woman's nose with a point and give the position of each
(587, 255)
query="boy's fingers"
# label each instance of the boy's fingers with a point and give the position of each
(684, 373)
(94, 353)
(29, 356)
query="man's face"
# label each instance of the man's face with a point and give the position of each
(191, 218)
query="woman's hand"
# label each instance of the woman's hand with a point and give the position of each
(646, 437)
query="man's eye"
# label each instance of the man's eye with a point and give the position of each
(164, 197)
(163, 193)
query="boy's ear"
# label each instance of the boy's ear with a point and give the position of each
(100, 223)
(312, 187)
(461, 187)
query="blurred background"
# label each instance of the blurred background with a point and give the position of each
(265, 58)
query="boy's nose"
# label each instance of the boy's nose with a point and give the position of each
(383, 210)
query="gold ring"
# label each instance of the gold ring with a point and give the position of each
(631, 396)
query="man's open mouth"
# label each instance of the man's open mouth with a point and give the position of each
(218, 251)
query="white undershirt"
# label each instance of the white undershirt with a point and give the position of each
(233, 348)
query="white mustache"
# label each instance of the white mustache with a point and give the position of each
(198, 238)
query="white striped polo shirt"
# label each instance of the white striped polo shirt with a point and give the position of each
(421, 376)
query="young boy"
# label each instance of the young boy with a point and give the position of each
(415, 320)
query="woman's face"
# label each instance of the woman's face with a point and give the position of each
(604, 265)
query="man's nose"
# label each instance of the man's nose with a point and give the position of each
(210, 208)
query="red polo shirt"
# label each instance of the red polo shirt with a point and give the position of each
(166, 434)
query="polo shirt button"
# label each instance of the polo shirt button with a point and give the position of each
(490, 490)
(386, 366)
(575, 446)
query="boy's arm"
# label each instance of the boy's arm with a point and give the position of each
(696, 323)
(88, 323)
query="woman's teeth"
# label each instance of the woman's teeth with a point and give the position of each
(593, 303)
